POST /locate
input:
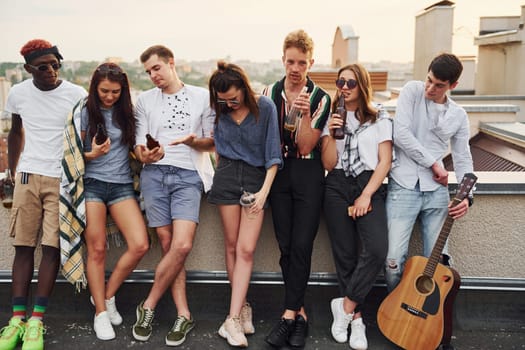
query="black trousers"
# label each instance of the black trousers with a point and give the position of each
(359, 246)
(296, 201)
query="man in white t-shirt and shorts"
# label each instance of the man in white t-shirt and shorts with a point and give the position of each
(39, 107)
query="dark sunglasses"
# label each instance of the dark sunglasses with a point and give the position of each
(110, 70)
(43, 67)
(350, 83)
(225, 102)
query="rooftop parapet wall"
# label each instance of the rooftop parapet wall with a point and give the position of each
(485, 245)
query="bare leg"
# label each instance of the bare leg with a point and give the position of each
(95, 236)
(48, 270)
(173, 261)
(23, 266)
(129, 220)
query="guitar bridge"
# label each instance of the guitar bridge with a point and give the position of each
(413, 311)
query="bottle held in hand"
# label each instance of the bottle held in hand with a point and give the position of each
(8, 188)
(101, 136)
(293, 116)
(246, 201)
(151, 143)
(290, 122)
(339, 133)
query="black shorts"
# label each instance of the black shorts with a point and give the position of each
(231, 178)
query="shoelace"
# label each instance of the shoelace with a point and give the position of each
(32, 332)
(7, 329)
(299, 328)
(237, 324)
(148, 317)
(245, 312)
(178, 324)
(347, 318)
(283, 328)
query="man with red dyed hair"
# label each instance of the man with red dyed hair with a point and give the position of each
(39, 107)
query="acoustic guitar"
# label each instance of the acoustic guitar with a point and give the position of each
(411, 316)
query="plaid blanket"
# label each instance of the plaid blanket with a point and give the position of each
(72, 206)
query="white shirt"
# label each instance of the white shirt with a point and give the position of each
(150, 120)
(43, 116)
(422, 132)
(367, 141)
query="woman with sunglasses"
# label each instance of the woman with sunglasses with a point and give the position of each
(354, 201)
(108, 187)
(248, 147)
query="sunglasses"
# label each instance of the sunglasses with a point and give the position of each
(43, 67)
(350, 83)
(110, 70)
(233, 102)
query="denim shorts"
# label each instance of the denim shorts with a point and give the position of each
(231, 178)
(107, 192)
(170, 193)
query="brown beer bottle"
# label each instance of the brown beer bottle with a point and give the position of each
(151, 143)
(101, 136)
(339, 133)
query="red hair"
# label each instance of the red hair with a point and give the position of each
(35, 45)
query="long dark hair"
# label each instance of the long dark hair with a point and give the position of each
(365, 110)
(225, 76)
(122, 109)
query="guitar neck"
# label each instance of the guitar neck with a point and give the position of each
(435, 257)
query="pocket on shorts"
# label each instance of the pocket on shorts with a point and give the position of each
(12, 222)
(224, 163)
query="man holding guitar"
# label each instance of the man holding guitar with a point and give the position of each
(426, 122)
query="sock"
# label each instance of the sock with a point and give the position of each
(19, 307)
(40, 307)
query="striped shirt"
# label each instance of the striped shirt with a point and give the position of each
(319, 111)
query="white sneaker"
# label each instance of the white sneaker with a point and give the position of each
(111, 308)
(358, 335)
(341, 320)
(246, 319)
(103, 327)
(232, 331)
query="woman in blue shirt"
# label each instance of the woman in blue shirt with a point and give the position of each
(108, 186)
(248, 147)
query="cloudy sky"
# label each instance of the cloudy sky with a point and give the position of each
(232, 29)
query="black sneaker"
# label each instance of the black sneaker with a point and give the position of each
(299, 332)
(280, 332)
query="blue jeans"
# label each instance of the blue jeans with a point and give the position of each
(170, 193)
(403, 208)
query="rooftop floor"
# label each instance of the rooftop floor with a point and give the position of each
(69, 319)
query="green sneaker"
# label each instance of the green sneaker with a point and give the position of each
(177, 333)
(34, 335)
(142, 328)
(12, 334)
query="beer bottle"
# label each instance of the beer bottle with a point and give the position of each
(151, 143)
(339, 133)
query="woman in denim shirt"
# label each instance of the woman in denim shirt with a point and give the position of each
(248, 147)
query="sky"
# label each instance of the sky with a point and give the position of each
(229, 29)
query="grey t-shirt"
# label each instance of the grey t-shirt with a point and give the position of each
(114, 166)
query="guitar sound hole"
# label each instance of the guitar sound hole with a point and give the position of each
(424, 284)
